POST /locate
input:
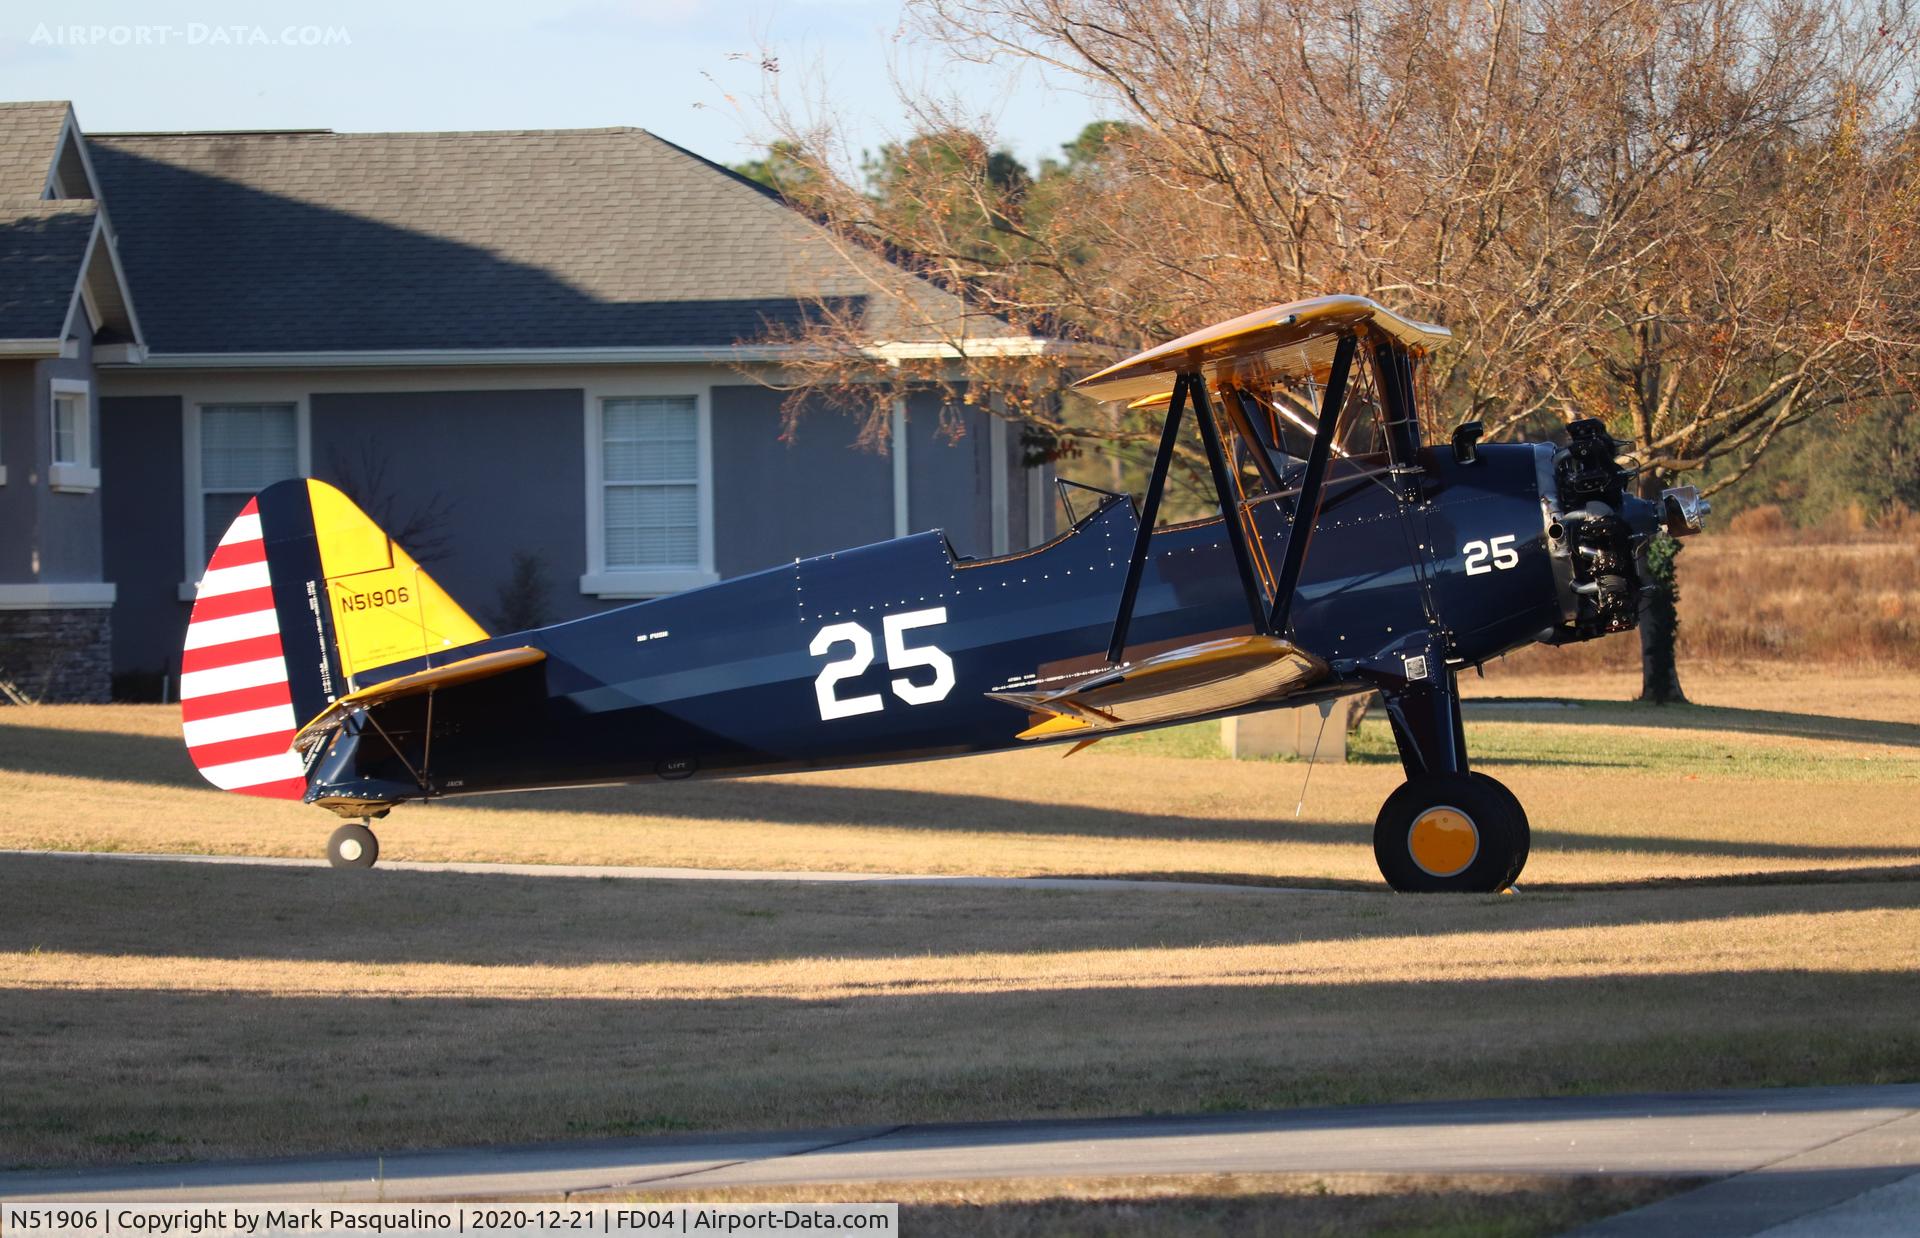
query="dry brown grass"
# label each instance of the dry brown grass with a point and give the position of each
(1789, 595)
(1325, 1205)
(1772, 787)
(153, 1011)
(1880, 939)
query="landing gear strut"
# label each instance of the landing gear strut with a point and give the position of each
(353, 846)
(1447, 828)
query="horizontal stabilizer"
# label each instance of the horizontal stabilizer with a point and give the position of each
(466, 670)
(1210, 677)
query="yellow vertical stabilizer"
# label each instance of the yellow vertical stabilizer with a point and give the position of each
(385, 608)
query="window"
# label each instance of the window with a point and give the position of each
(69, 428)
(244, 448)
(71, 402)
(649, 524)
(650, 466)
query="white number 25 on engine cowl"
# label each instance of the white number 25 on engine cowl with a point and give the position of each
(900, 657)
(1496, 555)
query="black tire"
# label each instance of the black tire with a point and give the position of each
(353, 846)
(1526, 825)
(1472, 838)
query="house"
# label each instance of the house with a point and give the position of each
(521, 345)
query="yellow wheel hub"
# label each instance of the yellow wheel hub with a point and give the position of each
(1443, 841)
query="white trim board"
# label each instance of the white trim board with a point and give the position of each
(997, 475)
(77, 595)
(81, 475)
(83, 302)
(1037, 488)
(222, 386)
(731, 354)
(404, 358)
(897, 446)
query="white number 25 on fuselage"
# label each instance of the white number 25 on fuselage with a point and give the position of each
(899, 658)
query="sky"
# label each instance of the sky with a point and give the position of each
(689, 70)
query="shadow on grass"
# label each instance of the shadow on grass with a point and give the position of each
(112, 756)
(103, 906)
(1876, 874)
(161, 761)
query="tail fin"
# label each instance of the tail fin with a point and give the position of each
(303, 595)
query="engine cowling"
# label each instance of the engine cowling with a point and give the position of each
(1598, 530)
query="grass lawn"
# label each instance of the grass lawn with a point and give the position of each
(157, 1011)
(1763, 781)
(1411, 1206)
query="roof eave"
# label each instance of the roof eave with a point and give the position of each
(1011, 346)
(29, 348)
(406, 358)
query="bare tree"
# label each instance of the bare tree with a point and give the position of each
(423, 528)
(1699, 220)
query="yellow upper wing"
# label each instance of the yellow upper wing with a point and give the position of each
(1292, 340)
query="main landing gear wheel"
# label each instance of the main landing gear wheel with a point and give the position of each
(1459, 833)
(353, 846)
(1526, 827)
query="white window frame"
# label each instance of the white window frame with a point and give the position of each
(82, 475)
(195, 541)
(623, 582)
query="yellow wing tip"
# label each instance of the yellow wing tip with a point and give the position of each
(1054, 727)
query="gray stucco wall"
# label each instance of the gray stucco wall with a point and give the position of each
(776, 501)
(949, 481)
(22, 444)
(143, 506)
(505, 469)
(70, 528)
(45, 537)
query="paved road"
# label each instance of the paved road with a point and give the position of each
(1783, 1155)
(630, 873)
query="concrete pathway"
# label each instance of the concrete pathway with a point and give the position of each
(633, 873)
(1840, 1156)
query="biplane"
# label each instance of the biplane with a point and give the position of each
(1344, 555)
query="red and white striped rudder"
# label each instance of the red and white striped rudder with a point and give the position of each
(236, 704)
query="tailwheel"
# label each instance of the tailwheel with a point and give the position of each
(1463, 833)
(353, 846)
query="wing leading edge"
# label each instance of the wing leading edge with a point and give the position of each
(1210, 677)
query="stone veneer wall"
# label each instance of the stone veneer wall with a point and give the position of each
(61, 656)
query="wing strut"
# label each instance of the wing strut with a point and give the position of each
(1149, 512)
(1192, 385)
(1233, 516)
(1234, 404)
(1306, 509)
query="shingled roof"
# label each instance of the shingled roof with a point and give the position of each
(53, 234)
(29, 140)
(592, 238)
(42, 245)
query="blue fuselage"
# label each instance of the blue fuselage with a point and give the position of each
(888, 652)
